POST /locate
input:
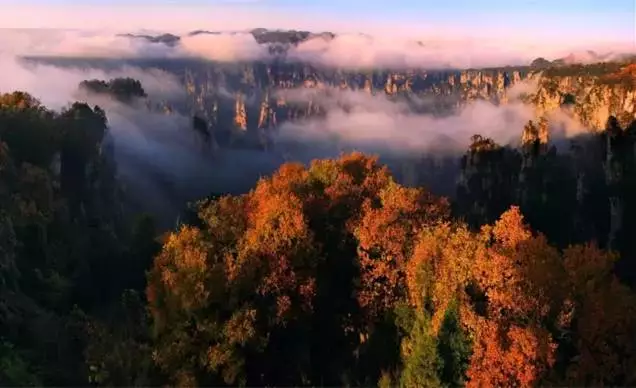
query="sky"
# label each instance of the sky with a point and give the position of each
(539, 21)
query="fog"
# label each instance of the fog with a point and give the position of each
(374, 123)
(163, 163)
(379, 124)
(73, 43)
(360, 51)
(56, 87)
(347, 50)
(364, 51)
(222, 47)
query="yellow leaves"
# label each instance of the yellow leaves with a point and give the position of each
(521, 275)
(185, 379)
(436, 270)
(188, 245)
(225, 218)
(239, 329)
(324, 171)
(280, 277)
(269, 253)
(449, 253)
(276, 222)
(180, 269)
(525, 282)
(513, 357)
(307, 291)
(224, 357)
(287, 178)
(18, 100)
(361, 168)
(386, 232)
(395, 215)
(351, 179)
(510, 230)
(522, 280)
(218, 356)
(283, 305)
(419, 267)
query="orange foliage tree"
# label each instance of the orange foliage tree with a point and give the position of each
(535, 314)
(266, 290)
(292, 282)
(602, 322)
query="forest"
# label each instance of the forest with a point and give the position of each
(327, 274)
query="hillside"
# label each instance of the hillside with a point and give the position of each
(244, 102)
(331, 273)
(282, 193)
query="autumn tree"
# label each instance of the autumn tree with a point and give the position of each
(520, 277)
(438, 274)
(601, 321)
(278, 279)
(508, 308)
(327, 274)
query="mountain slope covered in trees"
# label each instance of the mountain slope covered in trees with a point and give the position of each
(68, 248)
(327, 274)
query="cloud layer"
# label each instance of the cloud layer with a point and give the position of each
(161, 161)
(375, 123)
(56, 87)
(363, 51)
(164, 161)
(344, 51)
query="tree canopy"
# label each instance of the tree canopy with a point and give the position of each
(328, 274)
(121, 89)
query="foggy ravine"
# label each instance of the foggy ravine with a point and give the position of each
(163, 164)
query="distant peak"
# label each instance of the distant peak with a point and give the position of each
(168, 39)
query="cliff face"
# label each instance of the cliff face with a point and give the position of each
(244, 97)
(247, 98)
(591, 93)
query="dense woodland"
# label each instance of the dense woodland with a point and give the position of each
(328, 274)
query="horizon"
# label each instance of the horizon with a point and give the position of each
(524, 22)
(455, 34)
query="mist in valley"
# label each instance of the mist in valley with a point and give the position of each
(163, 163)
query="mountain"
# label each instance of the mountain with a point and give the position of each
(341, 272)
(540, 63)
(264, 36)
(293, 37)
(279, 40)
(261, 35)
(249, 95)
(247, 100)
(167, 39)
(587, 57)
(244, 101)
(594, 92)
